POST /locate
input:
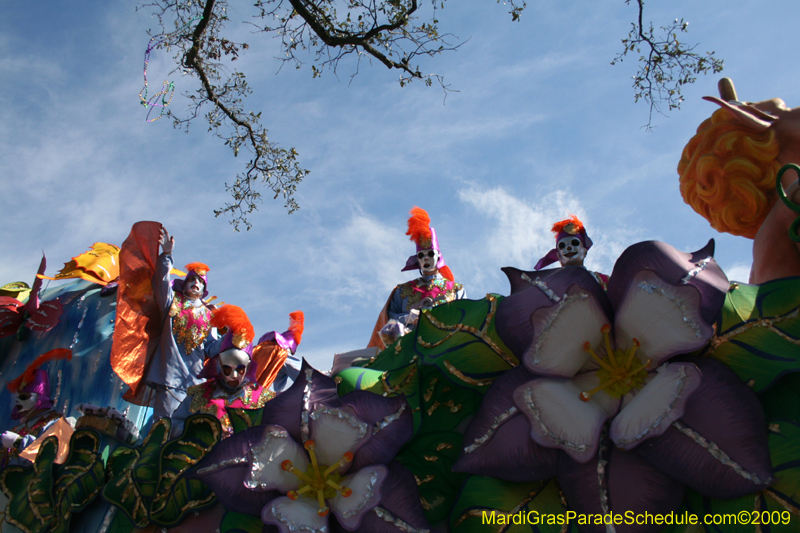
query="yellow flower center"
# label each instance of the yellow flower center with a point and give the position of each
(620, 371)
(320, 481)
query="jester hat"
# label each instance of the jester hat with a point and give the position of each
(565, 228)
(424, 236)
(36, 380)
(240, 335)
(289, 339)
(194, 269)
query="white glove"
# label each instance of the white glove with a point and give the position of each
(9, 439)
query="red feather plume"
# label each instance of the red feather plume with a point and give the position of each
(558, 226)
(296, 325)
(235, 319)
(419, 225)
(28, 375)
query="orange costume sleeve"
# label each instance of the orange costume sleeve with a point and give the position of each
(375, 340)
(269, 357)
(138, 322)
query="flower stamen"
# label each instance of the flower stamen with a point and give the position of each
(620, 370)
(321, 482)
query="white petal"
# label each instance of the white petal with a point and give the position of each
(661, 402)
(292, 516)
(336, 431)
(366, 487)
(560, 419)
(561, 332)
(664, 318)
(265, 462)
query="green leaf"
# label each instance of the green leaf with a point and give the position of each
(430, 458)
(242, 419)
(489, 505)
(80, 479)
(758, 333)
(240, 523)
(175, 496)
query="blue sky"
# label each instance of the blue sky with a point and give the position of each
(541, 125)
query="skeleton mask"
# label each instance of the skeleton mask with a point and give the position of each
(570, 251)
(25, 402)
(427, 261)
(233, 367)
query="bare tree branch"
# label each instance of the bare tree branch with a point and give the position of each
(665, 65)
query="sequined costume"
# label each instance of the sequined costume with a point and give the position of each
(184, 343)
(410, 294)
(212, 398)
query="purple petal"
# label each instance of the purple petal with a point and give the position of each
(719, 446)
(497, 441)
(224, 470)
(287, 408)
(400, 505)
(697, 269)
(392, 421)
(630, 484)
(538, 297)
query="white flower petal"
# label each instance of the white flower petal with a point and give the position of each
(661, 402)
(561, 332)
(265, 462)
(336, 431)
(560, 419)
(366, 487)
(293, 516)
(664, 318)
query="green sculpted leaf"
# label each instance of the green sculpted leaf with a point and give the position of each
(758, 333)
(240, 523)
(176, 496)
(31, 509)
(131, 468)
(782, 400)
(430, 458)
(80, 479)
(356, 378)
(488, 505)
(242, 419)
(146, 470)
(461, 340)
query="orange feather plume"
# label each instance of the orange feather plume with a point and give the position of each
(235, 319)
(29, 374)
(558, 226)
(419, 225)
(200, 268)
(446, 273)
(296, 325)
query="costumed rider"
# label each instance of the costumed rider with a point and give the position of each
(186, 333)
(230, 372)
(33, 407)
(435, 286)
(572, 244)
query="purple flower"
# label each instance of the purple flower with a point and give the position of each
(597, 365)
(318, 457)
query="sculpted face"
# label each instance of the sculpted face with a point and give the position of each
(233, 367)
(193, 287)
(25, 402)
(570, 251)
(427, 261)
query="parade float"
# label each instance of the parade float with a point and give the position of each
(576, 402)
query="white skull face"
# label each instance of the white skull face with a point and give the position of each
(570, 251)
(26, 401)
(233, 366)
(193, 287)
(427, 261)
